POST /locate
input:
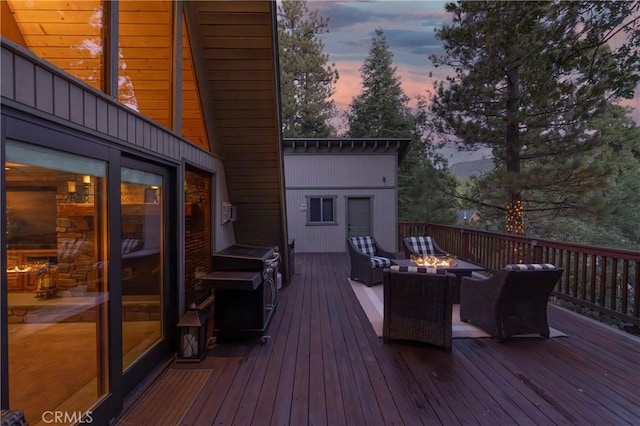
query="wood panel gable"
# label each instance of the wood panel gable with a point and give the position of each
(235, 55)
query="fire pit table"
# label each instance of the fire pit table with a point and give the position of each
(460, 269)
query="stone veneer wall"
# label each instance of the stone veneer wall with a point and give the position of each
(76, 236)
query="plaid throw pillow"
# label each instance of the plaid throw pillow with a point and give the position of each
(365, 245)
(130, 245)
(529, 266)
(419, 269)
(421, 245)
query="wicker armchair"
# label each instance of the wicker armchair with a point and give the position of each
(513, 301)
(418, 305)
(420, 245)
(367, 260)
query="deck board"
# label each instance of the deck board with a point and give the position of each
(324, 365)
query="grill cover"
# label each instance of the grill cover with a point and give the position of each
(242, 257)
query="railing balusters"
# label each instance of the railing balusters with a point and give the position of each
(636, 291)
(614, 284)
(575, 273)
(594, 265)
(624, 308)
(583, 278)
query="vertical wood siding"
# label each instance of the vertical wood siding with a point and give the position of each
(341, 175)
(343, 170)
(332, 238)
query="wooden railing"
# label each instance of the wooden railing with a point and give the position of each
(604, 280)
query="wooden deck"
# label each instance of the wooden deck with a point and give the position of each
(324, 365)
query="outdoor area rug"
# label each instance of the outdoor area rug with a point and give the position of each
(371, 299)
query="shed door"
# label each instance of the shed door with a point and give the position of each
(358, 217)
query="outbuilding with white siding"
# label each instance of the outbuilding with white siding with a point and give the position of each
(337, 188)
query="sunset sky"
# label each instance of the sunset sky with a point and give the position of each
(409, 28)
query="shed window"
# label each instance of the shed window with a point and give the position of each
(321, 209)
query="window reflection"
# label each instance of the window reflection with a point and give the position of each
(57, 286)
(141, 254)
(68, 34)
(145, 55)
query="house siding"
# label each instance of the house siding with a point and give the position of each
(341, 176)
(340, 170)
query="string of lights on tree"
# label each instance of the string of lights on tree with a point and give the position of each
(515, 213)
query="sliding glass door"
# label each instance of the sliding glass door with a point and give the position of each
(88, 278)
(147, 317)
(142, 242)
(57, 285)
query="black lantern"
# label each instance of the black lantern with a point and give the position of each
(193, 332)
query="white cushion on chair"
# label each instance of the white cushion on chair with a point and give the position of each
(419, 269)
(529, 266)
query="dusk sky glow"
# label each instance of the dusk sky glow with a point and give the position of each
(409, 27)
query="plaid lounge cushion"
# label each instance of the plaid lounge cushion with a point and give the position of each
(529, 266)
(365, 245)
(380, 262)
(420, 269)
(421, 245)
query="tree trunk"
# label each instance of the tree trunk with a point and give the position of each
(514, 221)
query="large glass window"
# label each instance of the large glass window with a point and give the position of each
(70, 35)
(145, 58)
(56, 239)
(142, 269)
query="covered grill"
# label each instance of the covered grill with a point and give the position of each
(244, 281)
(244, 257)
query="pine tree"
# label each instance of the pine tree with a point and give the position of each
(528, 79)
(381, 111)
(306, 79)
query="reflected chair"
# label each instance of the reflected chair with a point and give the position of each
(367, 260)
(421, 246)
(418, 305)
(512, 301)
